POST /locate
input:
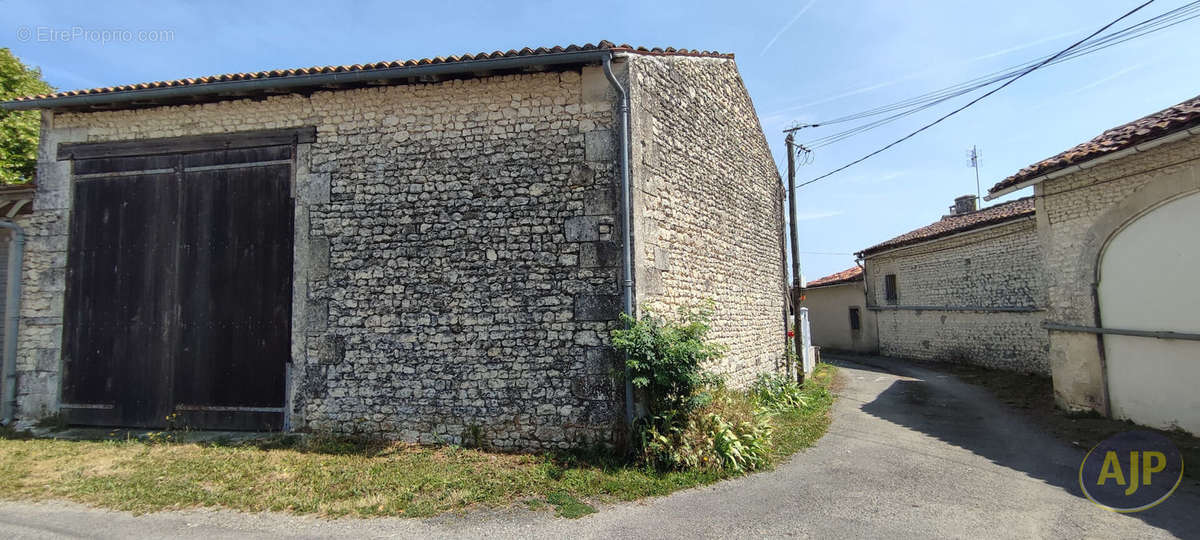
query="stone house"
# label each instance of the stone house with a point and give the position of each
(428, 250)
(1117, 219)
(966, 288)
(837, 311)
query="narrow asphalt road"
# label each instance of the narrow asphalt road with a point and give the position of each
(911, 454)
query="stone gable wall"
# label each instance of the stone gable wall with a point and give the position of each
(447, 277)
(956, 295)
(708, 207)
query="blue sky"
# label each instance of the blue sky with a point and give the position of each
(802, 61)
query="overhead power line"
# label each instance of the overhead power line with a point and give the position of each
(927, 100)
(980, 98)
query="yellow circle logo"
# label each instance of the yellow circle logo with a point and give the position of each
(1131, 471)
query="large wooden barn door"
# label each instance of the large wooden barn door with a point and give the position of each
(235, 296)
(119, 309)
(179, 285)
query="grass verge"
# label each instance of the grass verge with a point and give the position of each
(339, 477)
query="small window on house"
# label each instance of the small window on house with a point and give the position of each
(889, 288)
(855, 321)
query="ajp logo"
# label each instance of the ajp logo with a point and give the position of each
(1131, 471)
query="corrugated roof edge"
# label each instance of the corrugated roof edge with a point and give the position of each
(357, 73)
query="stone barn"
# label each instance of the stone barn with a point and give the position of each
(429, 250)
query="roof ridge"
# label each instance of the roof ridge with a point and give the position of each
(1178, 117)
(386, 64)
(854, 273)
(986, 208)
(997, 213)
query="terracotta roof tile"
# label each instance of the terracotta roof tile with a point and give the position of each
(295, 72)
(1179, 117)
(959, 223)
(845, 276)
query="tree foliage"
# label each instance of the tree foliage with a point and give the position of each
(18, 129)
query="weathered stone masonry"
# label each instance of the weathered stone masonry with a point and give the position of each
(1077, 214)
(456, 249)
(707, 206)
(997, 267)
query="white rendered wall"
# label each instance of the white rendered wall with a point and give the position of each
(1148, 282)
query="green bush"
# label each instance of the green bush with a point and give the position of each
(728, 433)
(693, 422)
(666, 360)
(777, 393)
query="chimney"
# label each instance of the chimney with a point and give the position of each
(964, 204)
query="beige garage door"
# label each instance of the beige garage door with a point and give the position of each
(1148, 282)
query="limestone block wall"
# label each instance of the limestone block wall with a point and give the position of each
(1077, 214)
(975, 298)
(453, 255)
(708, 206)
(43, 274)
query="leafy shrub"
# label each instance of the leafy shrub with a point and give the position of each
(666, 360)
(777, 393)
(693, 421)
(728, 433)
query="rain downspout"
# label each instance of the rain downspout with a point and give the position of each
(626, 210)
(12, 320)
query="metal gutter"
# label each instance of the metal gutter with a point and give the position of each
(319, 79)
(1178, 135)
(1157, 334)
(626, 217)
(12, 321)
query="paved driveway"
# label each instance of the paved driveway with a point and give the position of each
(911, 454)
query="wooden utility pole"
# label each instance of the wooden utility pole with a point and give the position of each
(795, 244)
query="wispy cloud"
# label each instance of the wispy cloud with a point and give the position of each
(1103, 80)
(921, 73)
(789, 24)
(1056, 101)
(1016, 48)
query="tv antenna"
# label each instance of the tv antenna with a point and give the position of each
(973, 156)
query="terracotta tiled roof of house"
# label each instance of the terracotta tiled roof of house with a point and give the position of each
(300, 72)
(1165, 122)
(954, 224)
(845, 276)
